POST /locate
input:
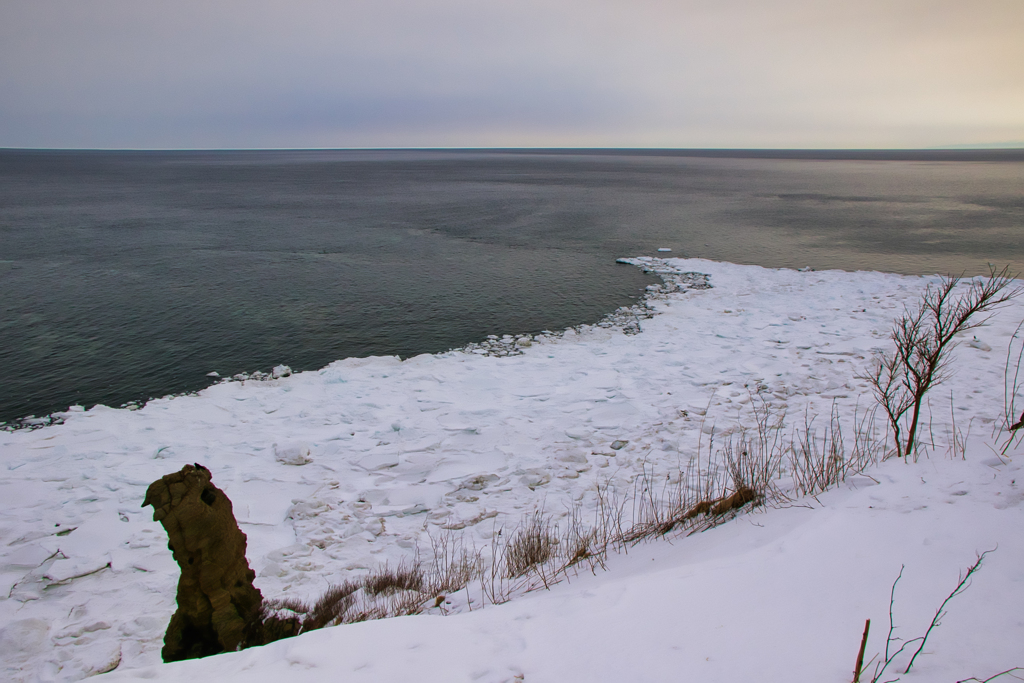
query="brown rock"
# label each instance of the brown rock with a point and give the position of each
(216, 598)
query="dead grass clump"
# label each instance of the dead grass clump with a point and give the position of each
(721, 480)
(751, 467)
(265, 626)
(735, 500)
(387, 580)
(531, 545)
(385, 592)
(715, 482)
(720, 506)
(700, 497)
(581, 549)
(701, 508)
(330, 607)
(277, 619)
(818, 464)
(453, 566)
(581, 543)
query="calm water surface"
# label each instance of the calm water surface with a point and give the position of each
(127, 275)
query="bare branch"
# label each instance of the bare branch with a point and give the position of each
(961, 586)
(1008, 672)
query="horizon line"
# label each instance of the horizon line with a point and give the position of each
(952, 153)
(939, 148)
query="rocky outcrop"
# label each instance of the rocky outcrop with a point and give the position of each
(216, 598)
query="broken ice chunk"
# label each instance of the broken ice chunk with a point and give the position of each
(293, 454)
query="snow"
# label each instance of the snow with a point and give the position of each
(336, 471)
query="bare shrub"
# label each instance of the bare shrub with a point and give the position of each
(924, 337)
(657, 513)
(769, 425)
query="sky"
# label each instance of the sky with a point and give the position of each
(511, 73)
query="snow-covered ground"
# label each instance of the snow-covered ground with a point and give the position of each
(334, 472)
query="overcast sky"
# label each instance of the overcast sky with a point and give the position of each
(443, 73)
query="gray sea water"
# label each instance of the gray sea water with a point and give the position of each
(128, 275)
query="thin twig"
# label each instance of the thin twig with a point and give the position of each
(961, 586)
(1008, 672)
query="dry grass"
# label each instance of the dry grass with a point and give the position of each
(819, 463)
(279, 619)
(385, 592)
(454, 566)
(758, 465)
(717, 483)
(386, 580)
(721, 480)
(531, 545)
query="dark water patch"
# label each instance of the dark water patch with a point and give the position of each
(127, 275)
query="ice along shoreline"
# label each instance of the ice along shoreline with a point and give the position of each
(334, 472)
(626, 318)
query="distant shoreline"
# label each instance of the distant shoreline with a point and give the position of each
(1007, 154)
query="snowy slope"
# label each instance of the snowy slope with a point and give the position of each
(468, 441)
(778, 596)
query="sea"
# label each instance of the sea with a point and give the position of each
(128, 275)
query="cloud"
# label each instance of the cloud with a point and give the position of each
(118, 73)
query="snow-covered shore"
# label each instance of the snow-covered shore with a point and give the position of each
(465, 440)
(780, 596)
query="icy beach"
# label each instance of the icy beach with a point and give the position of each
(336, 471)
